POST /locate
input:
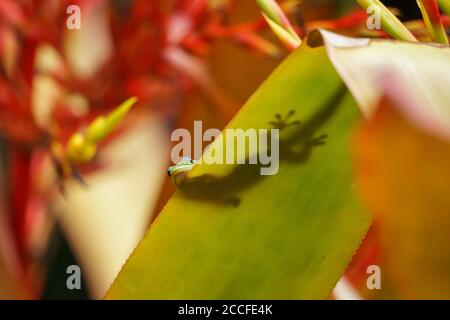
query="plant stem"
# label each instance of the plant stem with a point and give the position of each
(433, 20)
(279, 23)
(389, 21)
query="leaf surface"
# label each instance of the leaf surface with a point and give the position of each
(230, 233)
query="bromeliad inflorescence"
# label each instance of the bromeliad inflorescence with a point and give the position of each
(432, 28)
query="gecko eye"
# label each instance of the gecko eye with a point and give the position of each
(168, 173)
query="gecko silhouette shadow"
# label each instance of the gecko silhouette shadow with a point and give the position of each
(296, 147)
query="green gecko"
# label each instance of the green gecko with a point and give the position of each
(178, 172)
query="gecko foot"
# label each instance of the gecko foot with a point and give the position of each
(281, 122)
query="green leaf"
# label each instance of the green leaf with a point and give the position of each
(230, 233)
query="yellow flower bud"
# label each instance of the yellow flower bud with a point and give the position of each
(75, 146)
(83, 148)
(88, 152)
(79, 150)
(104, 125)
(97, 130)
